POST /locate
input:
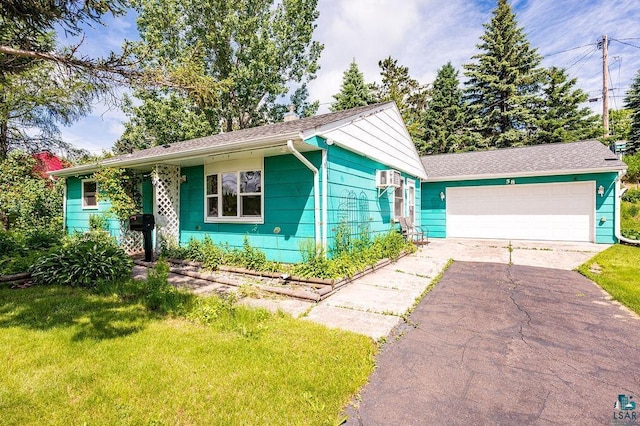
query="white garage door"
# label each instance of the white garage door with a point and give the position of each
(559, 211)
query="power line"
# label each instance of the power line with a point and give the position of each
(586, 55)
(628, 44)
(568, 50)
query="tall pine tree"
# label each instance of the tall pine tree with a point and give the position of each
(503, 81)
(444, 119)
(354, 92)
(632, 102)
(562, 119)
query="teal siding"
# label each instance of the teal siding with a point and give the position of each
(434, 209)
(353, 197)
(77, 218)
(288, 205)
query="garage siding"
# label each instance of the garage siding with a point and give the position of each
(434, 209)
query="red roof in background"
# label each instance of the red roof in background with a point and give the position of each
(48, 162)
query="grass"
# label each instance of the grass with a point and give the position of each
(71, 356)
(630, 216)
(617, 274)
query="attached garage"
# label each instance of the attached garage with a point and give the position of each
(556, 211)
(555, 192)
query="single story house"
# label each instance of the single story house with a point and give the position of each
(562, 192)
(355, 171)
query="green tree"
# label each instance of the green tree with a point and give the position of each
(408, 94)
(159, 120)
(632, 102)
(620, 123)
(354, 92)
(503, 82)
(445, 117)
(32, 105)
(256, 50)
(27, 200)
(561, 118)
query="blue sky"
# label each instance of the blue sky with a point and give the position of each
(423, 35)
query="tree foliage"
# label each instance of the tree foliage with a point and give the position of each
(27, 200)
(503, 81)
(445, 116)
(561, 118)
(354, 92)
(255, 49)
(33, 103)
(632, 102)
(121, 188)
(159, 120)
(620, 123)
(408, 94)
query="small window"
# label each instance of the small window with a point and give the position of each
(89, 192)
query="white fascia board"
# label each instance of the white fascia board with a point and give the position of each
(525, 174)
(181, 155)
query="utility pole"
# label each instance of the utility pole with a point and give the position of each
(605, 86)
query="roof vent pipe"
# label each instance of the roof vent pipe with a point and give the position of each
(291, 115)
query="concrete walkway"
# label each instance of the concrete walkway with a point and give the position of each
(376, 303)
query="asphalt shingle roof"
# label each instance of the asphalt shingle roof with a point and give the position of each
(558, 157)
(247, 135)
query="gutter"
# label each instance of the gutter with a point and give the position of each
(316, 188)
(122, 161)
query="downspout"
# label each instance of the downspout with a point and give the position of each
(64, 206)
(316, 188)
(325, 196)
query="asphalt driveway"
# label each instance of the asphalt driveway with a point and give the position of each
(500, 344)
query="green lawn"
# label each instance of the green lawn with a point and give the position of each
(619, 273)
(71, 357)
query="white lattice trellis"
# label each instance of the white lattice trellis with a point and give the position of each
(166, 208)
(131, 241)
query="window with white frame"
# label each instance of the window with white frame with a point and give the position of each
(233, 192)
(398, 200)
(411, 199)
(89, 192)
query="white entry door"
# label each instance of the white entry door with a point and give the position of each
(557, 211)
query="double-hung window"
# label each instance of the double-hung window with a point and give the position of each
(89, 191)
(233, 192)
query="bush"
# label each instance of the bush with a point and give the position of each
(632, 196)
(631, 234)
(83, 261)
(9, 243)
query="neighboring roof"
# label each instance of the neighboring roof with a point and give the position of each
(239, 139)
(47, 162)
(547, 159)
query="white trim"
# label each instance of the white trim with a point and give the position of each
(325, 198)
(239, 146)
(237, 167)
(403, 187)
(411, 185)
(64, 205)
(84, 206)
(521, 174)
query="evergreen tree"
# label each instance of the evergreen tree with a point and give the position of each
(632, 102)
(503, 81)
(444, 119)
(354, 92)
(620, 123)
(408, 94)
(562, 119)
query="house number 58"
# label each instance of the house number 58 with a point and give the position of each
(511, 181)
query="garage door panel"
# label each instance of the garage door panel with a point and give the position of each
(561, 212)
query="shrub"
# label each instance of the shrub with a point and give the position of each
(632, 196)
(631, 234)
(9, 243)
(84, 260)
(42, 238)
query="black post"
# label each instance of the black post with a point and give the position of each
(148, 249)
